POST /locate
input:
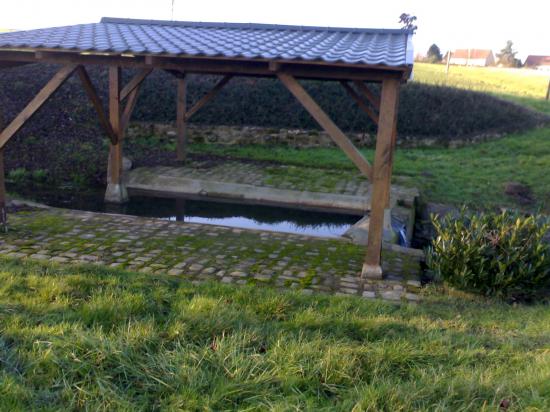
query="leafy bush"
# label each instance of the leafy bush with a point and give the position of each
(503, 255)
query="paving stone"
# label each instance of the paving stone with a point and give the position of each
(175, 272)
(292, 261)
(40, 256)
(59, 259)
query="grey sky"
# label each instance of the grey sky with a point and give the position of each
(456, 24)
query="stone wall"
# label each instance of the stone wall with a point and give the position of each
(244, 135)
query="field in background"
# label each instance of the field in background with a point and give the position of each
(523, 86)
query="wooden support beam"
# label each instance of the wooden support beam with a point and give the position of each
(360, 102)
(116, 192)
(135, 82)
(3, 211)
(326, 123)
(96, 102)
(380, 177)
(371, 97)
(43, 95)
(128, 110)
(207, 97)
(181, 118)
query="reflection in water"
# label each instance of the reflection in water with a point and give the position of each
(197, 211)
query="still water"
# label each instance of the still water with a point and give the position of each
(277, 219)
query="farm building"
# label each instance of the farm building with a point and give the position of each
(538, 62)
(472, 57)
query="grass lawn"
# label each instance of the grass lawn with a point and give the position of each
(527, 87)
(76, 338)
(474, 174)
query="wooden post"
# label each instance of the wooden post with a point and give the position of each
(181, 122)
(380, 177)
(116, 191)
(3, 212)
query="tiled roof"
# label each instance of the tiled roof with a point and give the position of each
(471, 53)
(533, 60)
(229, 40)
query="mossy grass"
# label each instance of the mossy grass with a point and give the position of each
(79, 337)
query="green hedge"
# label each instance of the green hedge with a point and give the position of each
(425, 111)
(65, 140)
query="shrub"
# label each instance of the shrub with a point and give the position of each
(503, 255)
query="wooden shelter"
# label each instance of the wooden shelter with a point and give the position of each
(353, 57)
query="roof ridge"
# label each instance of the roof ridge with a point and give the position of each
(263, 26)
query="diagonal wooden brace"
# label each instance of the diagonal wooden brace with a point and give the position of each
(360, 102)
(371, 97)
(326, 123)
(97, 103)
(207, 97)
(36, 103)
(134, 83)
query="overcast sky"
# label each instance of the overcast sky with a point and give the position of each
(450, 24)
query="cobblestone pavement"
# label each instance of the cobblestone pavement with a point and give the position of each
(344, 182)
(198, 252)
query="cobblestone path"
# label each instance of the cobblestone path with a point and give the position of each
(198, 252)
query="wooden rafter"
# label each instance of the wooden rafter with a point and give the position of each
(36, 103)
(360, 102)
(207, 97)
(326, 123)
(380, 177)
(96, 102)
(371, 97)
(134, 83)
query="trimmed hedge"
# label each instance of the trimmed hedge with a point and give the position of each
(425, 111)
(64, 137)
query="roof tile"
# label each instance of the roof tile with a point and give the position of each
(255, 41)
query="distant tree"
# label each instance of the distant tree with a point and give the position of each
(434, 54)
(408, 22)
(507, 56)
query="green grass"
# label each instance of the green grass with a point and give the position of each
(473, 174)
(83, 338)
(525, 87)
